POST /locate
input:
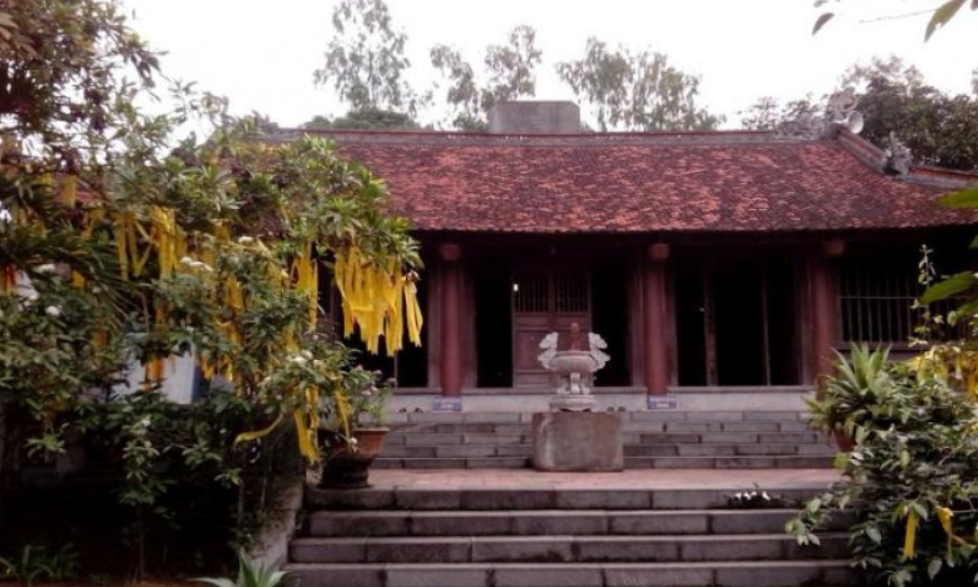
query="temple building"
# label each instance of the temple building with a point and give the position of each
(722, 268)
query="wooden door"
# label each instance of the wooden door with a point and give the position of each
(544, 301)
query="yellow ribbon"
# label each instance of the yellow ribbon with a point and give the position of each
(248, 436)
(909, 541)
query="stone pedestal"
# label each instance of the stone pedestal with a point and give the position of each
(577, 441)
(565, 402)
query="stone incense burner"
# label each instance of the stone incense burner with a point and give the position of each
(574, 369)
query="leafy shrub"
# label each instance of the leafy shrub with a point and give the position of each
(911, 480)
(852, 398)
(38, 563)
(250, 574)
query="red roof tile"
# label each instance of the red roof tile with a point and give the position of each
(641, 183)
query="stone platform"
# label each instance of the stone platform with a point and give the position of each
(577, 441)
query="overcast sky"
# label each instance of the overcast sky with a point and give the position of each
(261, 53)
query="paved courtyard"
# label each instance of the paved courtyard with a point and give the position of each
(452, 479)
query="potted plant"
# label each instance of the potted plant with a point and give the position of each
(354, 437)
(851, 397)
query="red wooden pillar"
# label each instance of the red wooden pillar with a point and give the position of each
(824, 302)
(654, 308)
(451, 319)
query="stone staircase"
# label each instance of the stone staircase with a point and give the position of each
(613, 537)
(657, 439)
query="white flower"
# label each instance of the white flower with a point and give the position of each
(46, 268)
(766, 496)
(353, 442)
(245, 240)
(739, 496)
(201, 266)
(306, 354)
(188, 261)
(52, 311)
(28, 294)
(299, 360)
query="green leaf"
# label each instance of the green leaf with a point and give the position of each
(951, 286)
(874, 535)
(934, 567)
(964, 199)
(823, 20)
(942, 16)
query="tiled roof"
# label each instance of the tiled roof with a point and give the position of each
(734, 181)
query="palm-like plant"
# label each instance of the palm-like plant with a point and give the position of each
(851, 398)
(250, 574)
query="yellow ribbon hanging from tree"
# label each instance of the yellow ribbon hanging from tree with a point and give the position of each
(69, 190)
(910, 538)
(378, 300)
(306, 272)
(249, 436)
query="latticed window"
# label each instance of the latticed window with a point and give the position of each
(560, 293)
(876, 301)
(532, 294)
(571, 295)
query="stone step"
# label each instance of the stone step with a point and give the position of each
(384, 462)
(631, 450)
(834, 573)
(631, 462)
(336, 524)
(491, 439)
(642, 426)
(562, 549)
(405, 418)
(731, 462)
(522, 499)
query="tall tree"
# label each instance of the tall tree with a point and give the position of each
(769, 114)
(366, 119)
(510, 73)
(630, 90)
(939, 129)
(365, 61)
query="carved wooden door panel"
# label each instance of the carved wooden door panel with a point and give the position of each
(544, 301)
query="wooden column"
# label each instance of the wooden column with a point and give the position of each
(654, 309)
(824, 306)
(451, 319)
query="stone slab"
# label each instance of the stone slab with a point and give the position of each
(577, 441)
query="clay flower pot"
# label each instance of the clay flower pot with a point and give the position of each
(347, 465)
(370, 441)
(844, 442)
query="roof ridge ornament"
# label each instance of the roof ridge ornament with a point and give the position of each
(899, 157)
